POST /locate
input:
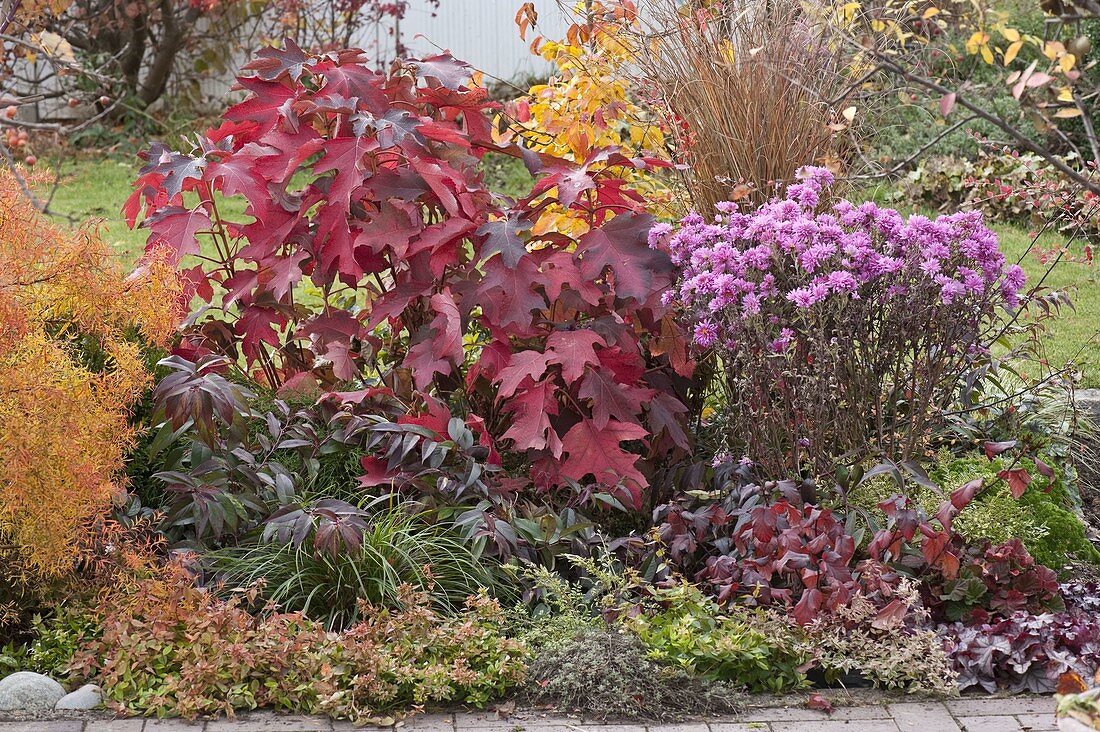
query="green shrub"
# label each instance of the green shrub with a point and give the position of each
(677, 624)
(743, 646)
(396, 549)
(54, 641)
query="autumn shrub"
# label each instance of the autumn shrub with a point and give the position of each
(71, 328)
(841, 330)
(592, 101)
(176, 650)
(375, 259)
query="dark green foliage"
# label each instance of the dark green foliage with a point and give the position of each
(1065, 539)
(606, 674)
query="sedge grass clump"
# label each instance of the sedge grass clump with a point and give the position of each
(392, 550)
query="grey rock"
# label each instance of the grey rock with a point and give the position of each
(88, 696)
(1088, 401)
(25, 690)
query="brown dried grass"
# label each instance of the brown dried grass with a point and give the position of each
(750, 88)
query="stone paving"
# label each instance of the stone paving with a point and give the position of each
(1012, 714)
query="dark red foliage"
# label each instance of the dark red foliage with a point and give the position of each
(994, 582)
(788, 555)
(770, 545)
(372, 253)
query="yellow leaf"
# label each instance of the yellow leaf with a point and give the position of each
(1066, 63)
(1053, 49)
(930, 13)
(987, 55)
(1010, 34)
(55, 46)
(728, 52)
(1068, 112)
(977, 41)
(1012, 51)
(1065, 94)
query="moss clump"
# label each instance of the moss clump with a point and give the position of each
(1042, 518)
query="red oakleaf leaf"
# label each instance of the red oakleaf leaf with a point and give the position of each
(440, 347)
(531, 409)
(574, 350)
(444, 68)
(599, 453)
(177, 228)
(504, 236)
(623, 246)
(273, 63)
(506, 295)
(330, 335)
(608, 398)
(522, 365)
(377, 472)
(664, 414)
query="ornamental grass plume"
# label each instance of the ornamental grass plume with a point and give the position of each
(750, 91)
(841, 330)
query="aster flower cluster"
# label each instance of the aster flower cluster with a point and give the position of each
(744, 265)
(842, 329)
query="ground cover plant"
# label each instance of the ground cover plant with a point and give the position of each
(465, 400)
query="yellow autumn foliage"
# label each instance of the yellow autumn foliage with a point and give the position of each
(70, 369)
(587, 104)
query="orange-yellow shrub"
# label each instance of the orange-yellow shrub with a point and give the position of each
(70, 369)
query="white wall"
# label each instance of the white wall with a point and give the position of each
(483, 33)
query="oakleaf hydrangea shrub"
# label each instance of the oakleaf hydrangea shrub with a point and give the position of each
(841, 329)
(372, 255)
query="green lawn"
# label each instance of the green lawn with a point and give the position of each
(97, 188)
(1075, 335)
